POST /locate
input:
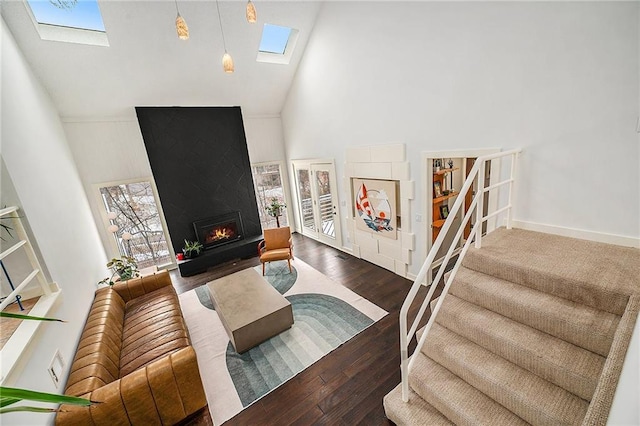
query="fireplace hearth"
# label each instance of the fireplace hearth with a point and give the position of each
(219, 230)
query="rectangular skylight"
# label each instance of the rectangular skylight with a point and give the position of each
(274, 39)
(80, 14)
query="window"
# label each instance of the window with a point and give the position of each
(73, 21)
(83, 14)
(274, 39)
(277, 44)
(140, 232)
(268, 184)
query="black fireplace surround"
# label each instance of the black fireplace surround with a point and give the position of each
(201, 167)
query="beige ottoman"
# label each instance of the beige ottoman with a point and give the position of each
(250, 309)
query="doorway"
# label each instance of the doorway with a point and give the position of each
(444, 173)
(318, 208)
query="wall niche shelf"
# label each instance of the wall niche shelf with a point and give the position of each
(441, 179)
(445, 197)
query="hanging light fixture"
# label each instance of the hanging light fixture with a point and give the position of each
(181, 26)
(227, 60)
(227, 63)
(252, 15)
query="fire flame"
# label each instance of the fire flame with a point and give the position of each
(222, 233)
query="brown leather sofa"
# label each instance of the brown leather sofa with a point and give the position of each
(135, 358)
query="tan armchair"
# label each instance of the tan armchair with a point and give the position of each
(277, 245)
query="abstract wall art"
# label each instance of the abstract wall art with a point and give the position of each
(375, 206)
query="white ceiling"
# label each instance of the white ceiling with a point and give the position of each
(147, 65)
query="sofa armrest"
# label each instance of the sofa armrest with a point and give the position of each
(164, 392)
(136, 287)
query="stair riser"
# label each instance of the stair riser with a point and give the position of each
(546, 281)
(529, 397)
(590, 329)
(416, 411)
(570, 367)
(457, 400)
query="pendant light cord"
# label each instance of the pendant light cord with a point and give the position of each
(224, 44)
(177, 11)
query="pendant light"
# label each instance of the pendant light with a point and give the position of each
(181, 26)
(227, 60)
(252, 15)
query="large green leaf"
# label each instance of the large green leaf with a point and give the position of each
(27, 317)
(7, 401)
(42, 396)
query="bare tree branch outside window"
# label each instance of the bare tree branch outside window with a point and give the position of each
(137, 214)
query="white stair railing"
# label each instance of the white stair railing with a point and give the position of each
(477, 173)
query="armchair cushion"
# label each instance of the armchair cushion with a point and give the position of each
(277, 238)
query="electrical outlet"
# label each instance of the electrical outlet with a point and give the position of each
(418, 218)
(56, 367)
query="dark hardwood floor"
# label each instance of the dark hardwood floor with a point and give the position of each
(347, 386)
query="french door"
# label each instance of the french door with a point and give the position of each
(318, 210)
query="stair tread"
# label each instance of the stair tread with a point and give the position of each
(416, 411)
(582, 325)
(456, 399)
(562, 363)
(587, 272)
(528, 396)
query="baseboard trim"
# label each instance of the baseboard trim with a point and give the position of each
(581, 234)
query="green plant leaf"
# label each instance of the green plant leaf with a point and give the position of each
(29, 409)
(7, 401)
(27, 317)
(42, 396)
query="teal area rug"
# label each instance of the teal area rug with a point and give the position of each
(325, 313)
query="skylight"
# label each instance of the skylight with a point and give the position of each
(274, 39)
(277, 44)
(83, 14)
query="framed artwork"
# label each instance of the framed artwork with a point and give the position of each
(444, 211)
(437, 189)
(375, 206)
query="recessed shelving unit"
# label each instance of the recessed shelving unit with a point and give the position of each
(440, 179)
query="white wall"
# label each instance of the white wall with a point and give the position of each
(559, 79)
(40, 164)
(106, 150)
(112, 149)
(265, 140)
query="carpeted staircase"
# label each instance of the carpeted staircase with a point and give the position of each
(534, 330)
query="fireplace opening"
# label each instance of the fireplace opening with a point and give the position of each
(219, 230)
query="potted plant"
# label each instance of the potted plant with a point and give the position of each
(124, 268)
(192, 249)
(275, 210)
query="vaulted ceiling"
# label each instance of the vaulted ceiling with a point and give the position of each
(147, 65)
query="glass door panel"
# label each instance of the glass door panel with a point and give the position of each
(326, 208)
(267, 179)
(306, 201)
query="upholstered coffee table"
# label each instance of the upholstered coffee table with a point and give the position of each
(250, 309)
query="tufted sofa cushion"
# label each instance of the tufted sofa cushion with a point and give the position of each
(134, 358)
(97, 360)
(153, 328)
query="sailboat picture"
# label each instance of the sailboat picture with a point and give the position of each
(374, 203)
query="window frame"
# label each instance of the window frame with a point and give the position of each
(280, 58)
(111, 246)
(284, 179)
(52, 32)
